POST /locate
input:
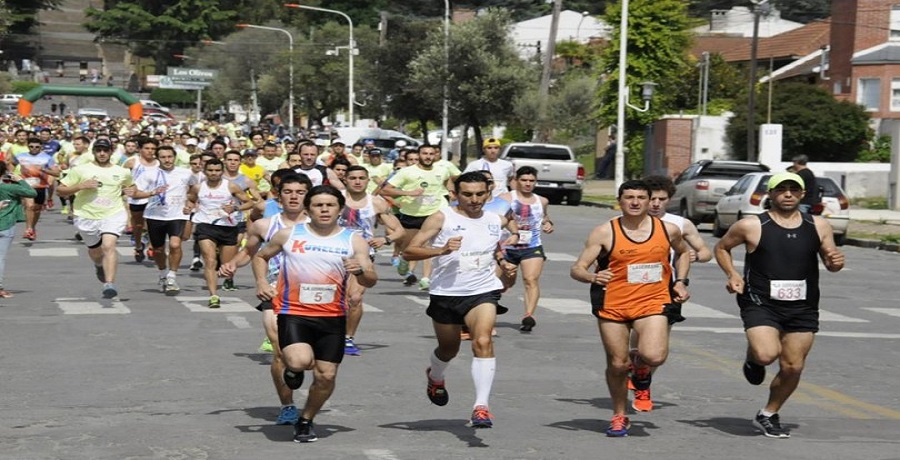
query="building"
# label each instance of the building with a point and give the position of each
(532, 35)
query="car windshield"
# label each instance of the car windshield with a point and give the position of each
(535, 152)
(728, 171)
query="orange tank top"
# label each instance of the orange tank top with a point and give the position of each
(641, 273)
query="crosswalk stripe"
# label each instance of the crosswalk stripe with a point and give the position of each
(560, 257)
(695, 310)
(239, 321)
(371, 309)
(886, 311)
(419, 300)
(565, 306)
(127, 252)
(228, 305)
(82, 306)
(838, 318)
(53, 252)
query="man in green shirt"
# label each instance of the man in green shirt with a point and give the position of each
(99, 210)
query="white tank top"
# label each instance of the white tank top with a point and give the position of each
(210, 202)
(138, 170)
(470, 270)
(529, 218)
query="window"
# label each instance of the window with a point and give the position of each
(869, 94)
(895, 23)
(895, 95)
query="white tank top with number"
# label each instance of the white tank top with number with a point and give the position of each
(210, 203)
(529, 218)
(470, 270)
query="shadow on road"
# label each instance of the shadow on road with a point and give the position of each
(273, 432)
(730, 425)
(455, 427)
(638, 428)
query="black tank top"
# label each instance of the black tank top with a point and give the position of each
(784, 254)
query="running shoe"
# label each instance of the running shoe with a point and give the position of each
(292, 379)
(150, 253)
(642, 401)
(139, 253)
(109, 291)
(101, 274)
(437, 392)
(754, 373)
(424, 284)
(228, 285)
(618, 426)
(196, 264)
(288, 416)
(482, 418)
(304, 432)
(172, 286)
(410, 279)
(64, 211)
(528, 324)
(266, 347)
(129, 230)
(29, 234)
(402, 267)
(350, 348)
(771, 426)
(162, 284)
(395, 261)
(214, 302)
(642, 375)
(49, 204)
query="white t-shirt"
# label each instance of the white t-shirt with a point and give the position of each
(502, 170)
(168, 205)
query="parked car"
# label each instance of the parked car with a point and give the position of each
(149, 104)
(699, 187)
(93, 113)
(158, 114)
(749, 197)
(560, 175)
(10, 98)
(384, 138)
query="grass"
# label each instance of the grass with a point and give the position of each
(878, 202)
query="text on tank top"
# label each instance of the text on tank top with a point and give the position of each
(210, 203)
(469, 270)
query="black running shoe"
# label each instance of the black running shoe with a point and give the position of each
(437, 393)
(771, 426)
(641, 376)
(754, 373)
(410, 280)
(528, 324)
(292, 379)
(304, 432)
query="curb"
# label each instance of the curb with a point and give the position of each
(597, 205)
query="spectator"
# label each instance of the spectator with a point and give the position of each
(812, 191)
(12, 189)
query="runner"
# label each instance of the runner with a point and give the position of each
(291, 189)
(36, 167)
(304, 162)
(144, 162)
(778, 293)
(465, 288)
(310, 296)
(362, 213)
(99, 209)
(632, 289)
(216, 217)
(502, 170)
(167, 193)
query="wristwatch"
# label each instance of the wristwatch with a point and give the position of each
(685, 281)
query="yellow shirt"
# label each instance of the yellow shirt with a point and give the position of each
(255, 173)
(413, 177)
(105, 200)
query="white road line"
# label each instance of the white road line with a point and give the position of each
(838, 318)
(370, 309)
(228, 305)
(239, 321)
(82, 306)
(125, 252)
(565, 306)
(738, 330)
(380, 454)
(886, 311)
(695, 310)
(560, 257)
(53, 252)
(419, 300)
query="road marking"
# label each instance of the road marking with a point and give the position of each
(419, 300)
(886, 311)
(239, 321)
(82, 306)
(370, 309)
(380, 454)
(838, 318)
(125, 252)
(53, 252)
(846, 335)
(565, 306)
(695, 310)
(228, 305)
(560, 257)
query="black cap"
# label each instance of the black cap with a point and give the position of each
(102, 143)
(374, 152)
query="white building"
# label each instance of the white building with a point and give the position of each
(573, 26)
(738, 22)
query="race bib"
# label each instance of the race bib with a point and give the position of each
(525, 236)
(317, 293)
(473, 261)
(788, 290)
(428, 200)
(644, 273)
(103, 201)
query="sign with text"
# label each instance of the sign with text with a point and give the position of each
(168, 82)
(192, 74)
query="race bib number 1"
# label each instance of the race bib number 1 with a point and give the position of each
(317, 293)
(644, 273)
(788, 290)
(476, 261)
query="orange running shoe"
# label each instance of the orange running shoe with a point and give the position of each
(618, 426)
(642, 401)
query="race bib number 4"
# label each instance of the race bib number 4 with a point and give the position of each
(788, 290)
(317, 293)
(644, 273)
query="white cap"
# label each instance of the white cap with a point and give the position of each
(190, 141)
(400, 144)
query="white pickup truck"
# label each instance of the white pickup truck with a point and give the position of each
(560, 175)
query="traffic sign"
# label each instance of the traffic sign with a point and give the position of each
(167, 82)
(192, 74)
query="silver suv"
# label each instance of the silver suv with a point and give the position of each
(699, 187)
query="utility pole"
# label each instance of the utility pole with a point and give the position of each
(706, 64)
(382, 29)
(542, 133)
(758, 6)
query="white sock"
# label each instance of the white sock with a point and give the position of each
(483, 370)
(766, 413)
(162, 273)
(171, 274)
(438, 367)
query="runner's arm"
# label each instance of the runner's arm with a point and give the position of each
(695, 241)
(260, 263)
(361, 266)
(416, 249)
(831, 256)
(736, 235)
(597, 243)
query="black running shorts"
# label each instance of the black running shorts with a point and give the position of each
(445, 309)
(158, 230)
(324, 334)
(411, 222)
(220, 234)
(756, 311)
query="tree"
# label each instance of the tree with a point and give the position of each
(658, 41)
(726, 83)
(815, 124)
(161, 28)
(569, 107)
(485, 75)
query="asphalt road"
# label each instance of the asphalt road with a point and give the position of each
(147, 376)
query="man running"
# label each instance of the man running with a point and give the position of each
(361, 213)
(465, 290)
(167, 194)
(144, 163)
(778, 293)
(502, 170)
(37, 168)
(318, 174)
(99, 209)
(310, 296)
(632, 289)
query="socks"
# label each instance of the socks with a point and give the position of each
(483, 370)
(438, 367)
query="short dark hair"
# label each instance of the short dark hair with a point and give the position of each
(218, 142)
(147, 140)
(526, 171)
(166, 147)
(232, 152)
(800, 159)
(663, 183)
(280, 174)
(357, 168)
(633, 185)
(292, 178)
(213, 162)
(324, 190)
(471, 177)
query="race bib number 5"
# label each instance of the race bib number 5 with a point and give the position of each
(644, 273)
(317, 293)
(788, 290)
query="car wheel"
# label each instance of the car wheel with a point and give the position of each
(840, 239)
(554, 198)
(574, 198)
(718, 229)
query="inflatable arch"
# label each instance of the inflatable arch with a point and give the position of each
(26, 103)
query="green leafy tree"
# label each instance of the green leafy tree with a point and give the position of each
(726, 83)
(815, 124)
(570, 110)
(658, 41)
(161, 28)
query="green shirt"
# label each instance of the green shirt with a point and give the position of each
(14, 192)
(105, 200)
(413, 177)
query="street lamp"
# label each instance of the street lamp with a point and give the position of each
(351, 47)
(584, 14)
(290, 69)
(445, 113)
